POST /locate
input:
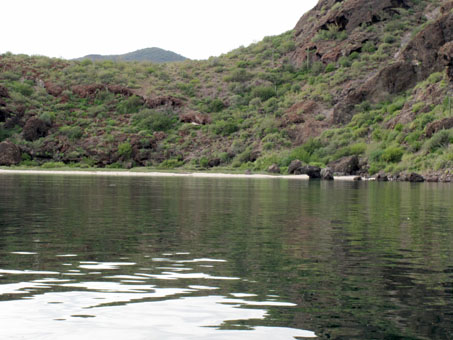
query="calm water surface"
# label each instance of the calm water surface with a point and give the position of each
(187, 258)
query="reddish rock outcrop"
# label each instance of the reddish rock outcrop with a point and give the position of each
(168, 101)
(9, 154)
(87, 91)
(118, 89)
(53, 89)
(194, 117)
(434, 127)
(345, 166)
(345, 16)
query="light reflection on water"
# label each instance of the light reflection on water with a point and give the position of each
(110, 307)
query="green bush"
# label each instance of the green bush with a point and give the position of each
(171, 164)
(440, 139)
(50, 165)
(130, 105)
(72, 132)
(125, 150)
(392, 155)
(151, 121)
(263, 92)
(224, 127)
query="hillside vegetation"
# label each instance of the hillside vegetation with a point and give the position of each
(370, 83)
(152, 54)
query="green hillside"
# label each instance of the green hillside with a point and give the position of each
(152, 54)
(361, 89)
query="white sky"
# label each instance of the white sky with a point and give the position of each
(196, 29)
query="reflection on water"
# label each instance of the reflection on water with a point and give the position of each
(187, 258)
(136, 305)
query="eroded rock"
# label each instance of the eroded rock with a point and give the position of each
(9, 154)
(345, 166)
(34, 129)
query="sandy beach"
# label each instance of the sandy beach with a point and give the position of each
(161, 174)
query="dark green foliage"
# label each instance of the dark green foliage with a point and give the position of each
(125, 150)
(23, 88)
(263, 92)
(224, 127)
(73, 132)
(392, 155)
(440, 139)
(130, 105)
(150, 120)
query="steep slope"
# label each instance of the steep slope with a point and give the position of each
(360, 86)
(152, 54)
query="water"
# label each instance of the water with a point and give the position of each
(187, 258)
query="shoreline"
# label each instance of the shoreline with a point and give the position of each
(160, 174)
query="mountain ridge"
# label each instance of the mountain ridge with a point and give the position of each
(151, 54)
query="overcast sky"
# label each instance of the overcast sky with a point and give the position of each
(196, 29)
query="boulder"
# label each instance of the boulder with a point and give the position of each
(327, 174)
(313, 172)
(34, 129)
(214, 162)
(274, 169)
(432, 178)
(381, 177)
(345, 166)
(415, 178)
(294, 167)
(53, 89)
(4, 92)
(9, 154)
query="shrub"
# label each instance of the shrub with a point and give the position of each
(224, 127)
(263, 92)
(392, 155)
(72, 132)
(130, 105)
(50, 165)
(151, 121)
(330, 68)
(125, 150)
(440, 139)
(369, 47)
(171, 164)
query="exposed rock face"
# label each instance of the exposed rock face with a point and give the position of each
(313, 172)
(274, 169)
(34, 129)
(327, 174)
(416, 178)
(9, 154)
(168, 101)
(446, 55)
(345, 166)
(434, 127)
(53, 89)
(194, 117)
(294, 167)
(347, 16)
(118, 89)
(381, 177)
(214, 162)
(430, 51)
(87, 91)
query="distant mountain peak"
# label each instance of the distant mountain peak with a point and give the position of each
(152, 54)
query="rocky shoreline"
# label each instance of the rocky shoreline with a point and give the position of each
(355, 169)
